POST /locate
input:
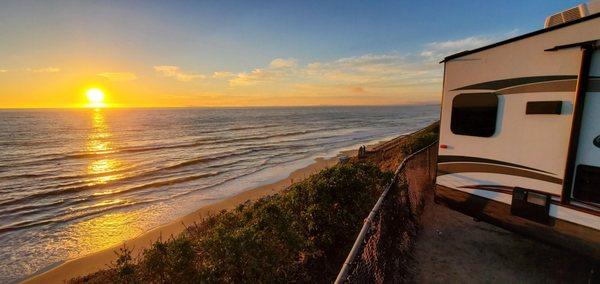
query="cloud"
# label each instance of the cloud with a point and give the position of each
(176, 73)
(222, 74)
(358, 66)
(387, 70)
(253, 77)
(3, 70)
(395, 70)
(118, 76)
(358, 90)
(436, 51)
(279, 68)
(44, 70)
(283, 63)
(368, 70)
(390, 76)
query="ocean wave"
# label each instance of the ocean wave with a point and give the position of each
(89, 187)
(49, 158)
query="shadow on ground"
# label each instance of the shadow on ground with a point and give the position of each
(454, 248)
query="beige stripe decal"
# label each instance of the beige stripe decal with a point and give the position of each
(552, 86)
(452, 168)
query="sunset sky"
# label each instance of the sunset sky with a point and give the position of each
(244, 53)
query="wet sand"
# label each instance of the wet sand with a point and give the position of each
(99, 260)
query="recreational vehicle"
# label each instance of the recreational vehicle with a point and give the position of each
(520, 132)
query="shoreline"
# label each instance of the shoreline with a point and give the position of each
(87, 264)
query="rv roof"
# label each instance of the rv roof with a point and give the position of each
(466, 52)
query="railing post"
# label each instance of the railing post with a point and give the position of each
(428, 163)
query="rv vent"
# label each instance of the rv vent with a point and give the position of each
(566, 16)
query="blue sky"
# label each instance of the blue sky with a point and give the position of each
(203, 37)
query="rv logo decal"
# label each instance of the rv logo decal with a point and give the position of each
(597, 141)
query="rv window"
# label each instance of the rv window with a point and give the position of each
(474, 114)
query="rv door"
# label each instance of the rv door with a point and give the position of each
(586, 181)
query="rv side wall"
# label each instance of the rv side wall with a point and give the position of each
(523, 155)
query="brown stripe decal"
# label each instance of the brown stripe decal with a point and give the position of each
(500, 189)
(451, 168)
(509, 190)
(504, 189)
(453, 159)
(507, 83)
(552, 86)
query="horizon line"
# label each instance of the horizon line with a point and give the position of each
(191, 107)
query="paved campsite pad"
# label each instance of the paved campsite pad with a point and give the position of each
(454, 248)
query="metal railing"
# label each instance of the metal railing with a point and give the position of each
(396, 142)
(409, 186)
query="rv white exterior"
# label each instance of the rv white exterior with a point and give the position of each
(520, 134)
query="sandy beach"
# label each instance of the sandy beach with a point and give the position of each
(99, 260)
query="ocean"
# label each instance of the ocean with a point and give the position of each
(73, 182)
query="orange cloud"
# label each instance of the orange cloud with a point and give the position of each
(176, 73)
(118, 76)
(44, 70)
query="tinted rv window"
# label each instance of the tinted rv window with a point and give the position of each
(474, 114)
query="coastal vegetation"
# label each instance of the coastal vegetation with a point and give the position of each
(301, 234)
(420, 140)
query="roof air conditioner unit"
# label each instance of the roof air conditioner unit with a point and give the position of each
(568, 15)
(582, 10)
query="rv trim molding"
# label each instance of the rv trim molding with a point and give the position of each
(578, 105)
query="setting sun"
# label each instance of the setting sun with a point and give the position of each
(95, 98)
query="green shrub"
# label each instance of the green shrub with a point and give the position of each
(124, 266)
(172, 261)
(302, 234)
(417, 142)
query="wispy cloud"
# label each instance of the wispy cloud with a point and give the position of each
(43, 70)
(380, 69)
(3, 70)
(358, 90)
(279, 68)
(255, 76)
(222, 75)
(391, 76)
(392, 68)
(436, 51)
(372, 78)
(176, 73)
(283, 63)
(118, 76)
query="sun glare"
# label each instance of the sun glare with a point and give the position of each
(95, 98)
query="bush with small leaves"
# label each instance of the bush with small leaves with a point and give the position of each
(299, 235)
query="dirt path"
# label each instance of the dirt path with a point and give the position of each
(453, 248)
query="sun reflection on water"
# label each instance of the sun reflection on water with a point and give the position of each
(99, 142)
(101, 170)
(98, 138)
(104, 230)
